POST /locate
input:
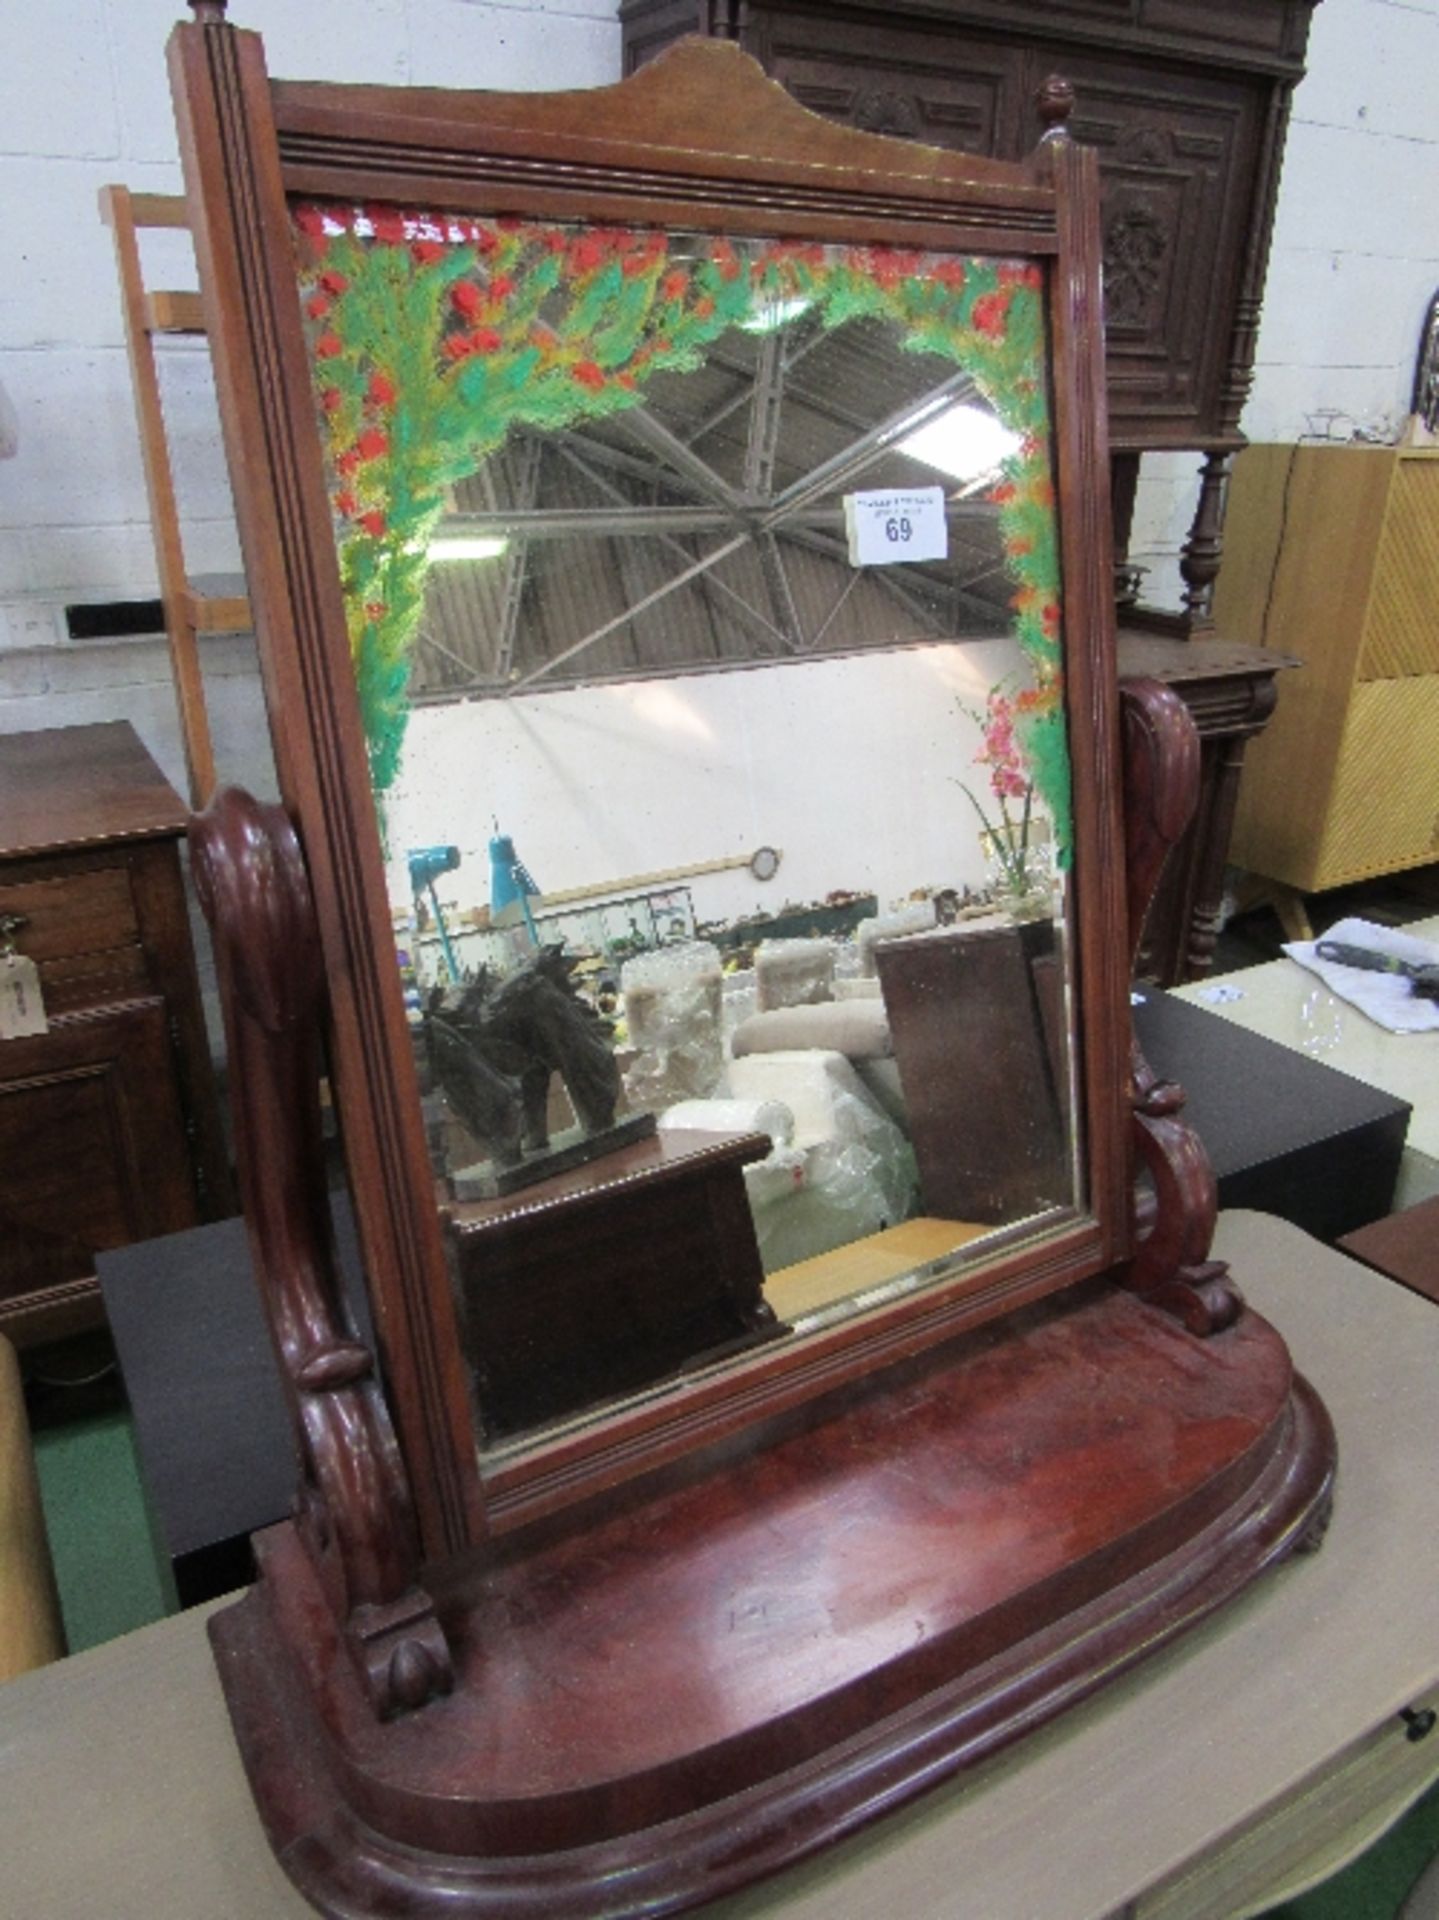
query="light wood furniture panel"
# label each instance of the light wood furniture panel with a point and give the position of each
(875, 1261)
(1401, 636)
(109, 1128)
(1260, 1751)
(1334, 557)
(30, 1629)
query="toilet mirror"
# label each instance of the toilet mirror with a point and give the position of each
(683, 610)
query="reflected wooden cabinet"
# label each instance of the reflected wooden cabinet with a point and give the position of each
(977, 1018)
(568, 1305)
(109, 1131)
(1345, 785)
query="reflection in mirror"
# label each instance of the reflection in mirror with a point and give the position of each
(703, 596)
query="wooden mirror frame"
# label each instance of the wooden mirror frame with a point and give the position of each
(658, 149)
(376, 1602)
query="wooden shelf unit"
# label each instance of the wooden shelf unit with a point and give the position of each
(193, 605)
(1333, 556)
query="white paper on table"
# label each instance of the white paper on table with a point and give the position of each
(1385, 997)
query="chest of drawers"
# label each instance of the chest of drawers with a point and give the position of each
(109, 1125)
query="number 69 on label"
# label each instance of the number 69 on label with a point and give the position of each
(885, 527)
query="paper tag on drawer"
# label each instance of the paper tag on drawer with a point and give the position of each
(898, 524)
(22, 1010)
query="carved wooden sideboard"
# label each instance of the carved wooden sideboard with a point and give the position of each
(109, 1126)
(1186, 102)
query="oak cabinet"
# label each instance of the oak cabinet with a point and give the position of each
(1333, 557)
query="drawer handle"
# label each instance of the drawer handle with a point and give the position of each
(10, 925)
(1418, 1722)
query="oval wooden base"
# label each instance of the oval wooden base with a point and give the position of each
(735, 1668)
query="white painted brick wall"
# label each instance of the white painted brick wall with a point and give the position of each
(84, 100)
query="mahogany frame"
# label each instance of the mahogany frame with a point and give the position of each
(564, 1722)
(659, 148)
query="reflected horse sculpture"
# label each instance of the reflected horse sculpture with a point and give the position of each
(493, 1046)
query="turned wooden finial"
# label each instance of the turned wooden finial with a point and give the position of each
(1054, 102)
(209, 12)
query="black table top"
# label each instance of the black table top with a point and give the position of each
(1251, 1099)
(1285, 1134)
(214, 1439)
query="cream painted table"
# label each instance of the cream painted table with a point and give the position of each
(1286, 1002)
(1250, 1757)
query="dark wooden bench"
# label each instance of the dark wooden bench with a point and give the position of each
(1405, 1246)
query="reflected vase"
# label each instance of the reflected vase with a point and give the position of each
(1019, 878)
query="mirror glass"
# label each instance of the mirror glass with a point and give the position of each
(704, 607)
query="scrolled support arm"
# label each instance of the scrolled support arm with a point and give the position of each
(1172, 1267)
(355, 1509)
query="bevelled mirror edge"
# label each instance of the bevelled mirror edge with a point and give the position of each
(318, 743)
(1086, 537)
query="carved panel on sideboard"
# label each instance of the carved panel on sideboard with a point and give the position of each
(1186, 104)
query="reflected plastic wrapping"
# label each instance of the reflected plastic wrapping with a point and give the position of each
(793, 973)
(741, 999)
(917, 917)
(779, 1176)
(672, 1003)
(731, 1116)
(858, 1174)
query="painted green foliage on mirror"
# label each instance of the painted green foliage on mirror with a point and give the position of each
(432, 337)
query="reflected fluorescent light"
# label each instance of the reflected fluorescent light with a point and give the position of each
(772, 314)
(468, 546)
(665, 708)
(957, 670)
(964, 442)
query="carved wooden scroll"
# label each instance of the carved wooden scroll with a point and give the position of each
(353, 1508)
(1172, 1267)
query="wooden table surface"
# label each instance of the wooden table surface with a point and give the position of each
(1403, 1245)
(124, 1794)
